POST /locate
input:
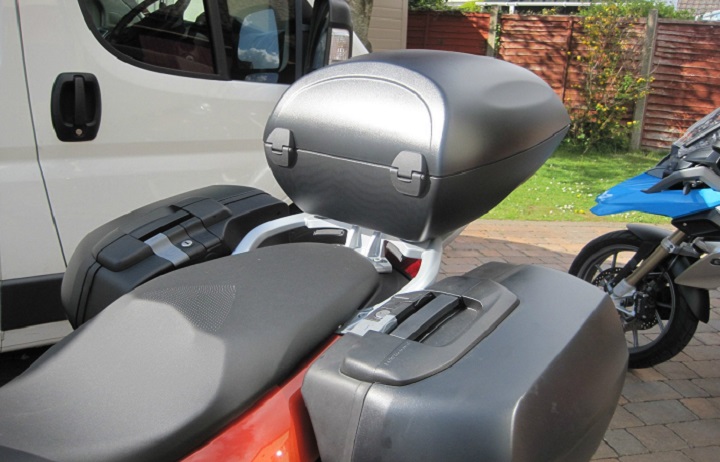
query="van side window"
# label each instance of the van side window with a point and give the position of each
(177, 35)
(171, 34)
(260, 40)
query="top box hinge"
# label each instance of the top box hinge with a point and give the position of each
(280, 147)
(409, 173)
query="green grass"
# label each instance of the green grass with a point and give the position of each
(564, 189)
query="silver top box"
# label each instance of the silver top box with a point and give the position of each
(414, 143)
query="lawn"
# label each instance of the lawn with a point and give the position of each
(564, 189)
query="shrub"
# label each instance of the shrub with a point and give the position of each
(611, 81)
(642, 8)
(427, 5)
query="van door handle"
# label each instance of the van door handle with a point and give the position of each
(75, 106)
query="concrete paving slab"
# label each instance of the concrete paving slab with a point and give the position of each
(660, 412)
(658, 437)
(698, 433)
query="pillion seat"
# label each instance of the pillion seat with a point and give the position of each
(165, 367)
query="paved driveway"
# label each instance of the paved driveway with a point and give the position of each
(667, 413)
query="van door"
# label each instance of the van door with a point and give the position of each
(177, 91)
(121, 103)
(29, 245)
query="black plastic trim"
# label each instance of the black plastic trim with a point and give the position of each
(420, 322)
(699, 173)
(212, 9)
(76, 106)
(337, 15)
(29, 301)
(704, 224)
(299, 40)
(397, 359)
(647, 232)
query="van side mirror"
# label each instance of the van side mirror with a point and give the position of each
(258, 42)
(259, 46)
(331, 34)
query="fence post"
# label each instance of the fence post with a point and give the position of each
(493, 30)
(426, 31)
(645, 72)
(568, 45)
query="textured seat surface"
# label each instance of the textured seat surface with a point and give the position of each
(165, 367)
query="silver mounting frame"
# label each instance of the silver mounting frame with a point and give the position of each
(366, 242)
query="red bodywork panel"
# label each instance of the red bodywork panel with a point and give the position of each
(277, 428)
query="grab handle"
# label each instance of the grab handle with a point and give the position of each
(402, 358)
(75, 106)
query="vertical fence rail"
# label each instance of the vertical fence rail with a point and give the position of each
(646, 72)
(568, 55)
(493, 31)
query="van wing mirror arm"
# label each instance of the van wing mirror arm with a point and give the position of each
(331, 34)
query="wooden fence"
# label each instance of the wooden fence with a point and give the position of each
(450, 31)
(686, 69)
(684, 60)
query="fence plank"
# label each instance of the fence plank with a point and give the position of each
(452, 32)
(540, 44)
(686, 73)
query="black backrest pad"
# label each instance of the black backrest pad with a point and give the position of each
(165, 367)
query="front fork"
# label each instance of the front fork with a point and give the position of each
(620, 291)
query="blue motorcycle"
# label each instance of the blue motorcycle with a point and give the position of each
(659, 280)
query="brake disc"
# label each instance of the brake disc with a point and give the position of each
(644, 319)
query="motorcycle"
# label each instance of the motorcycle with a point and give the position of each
(659, 280)
(325, 336)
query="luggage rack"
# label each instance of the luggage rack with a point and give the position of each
(366, 242)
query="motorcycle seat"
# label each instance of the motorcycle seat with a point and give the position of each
(167, 366)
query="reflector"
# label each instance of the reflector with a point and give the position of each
(339, 45)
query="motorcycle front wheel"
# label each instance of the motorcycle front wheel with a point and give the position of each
(663, 324)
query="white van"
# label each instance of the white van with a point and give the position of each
(107, 105)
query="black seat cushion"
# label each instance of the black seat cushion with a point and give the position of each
(165, 367)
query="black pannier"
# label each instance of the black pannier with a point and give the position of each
(182, 230)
